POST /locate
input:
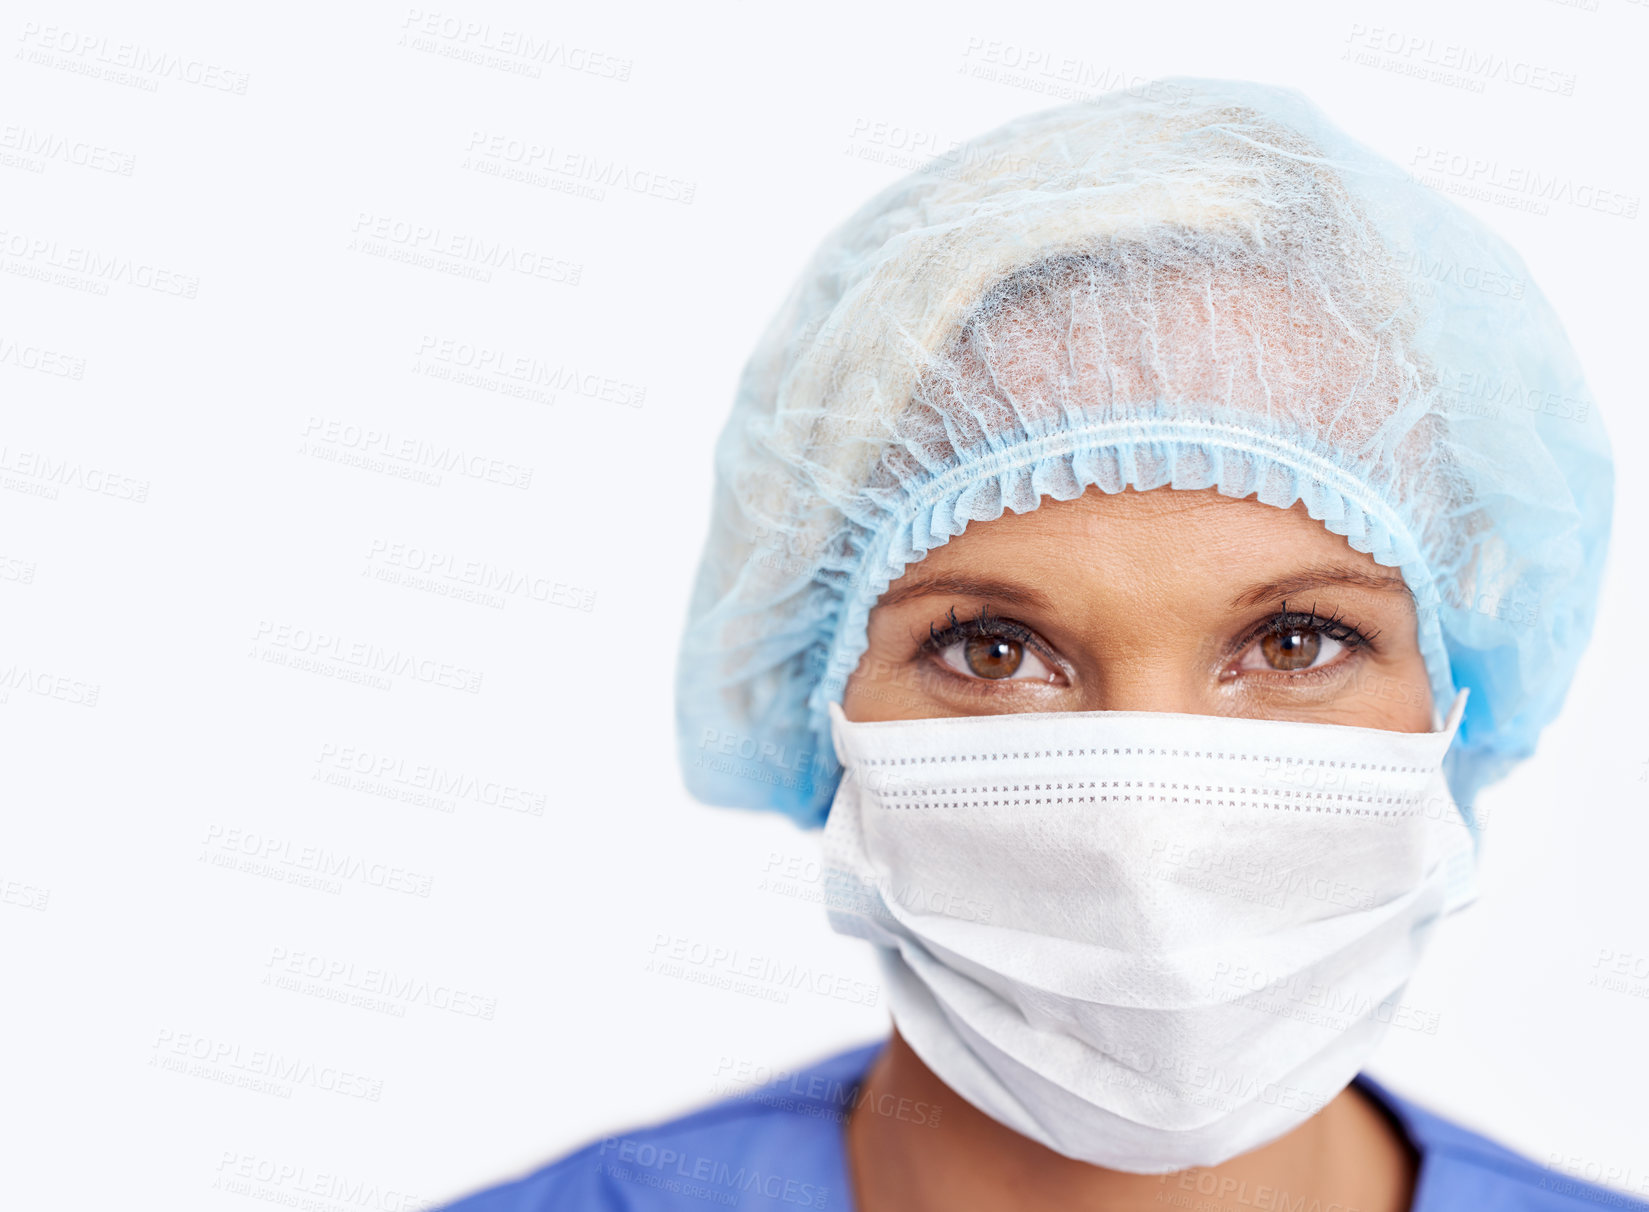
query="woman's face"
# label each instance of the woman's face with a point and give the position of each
(1168, 600)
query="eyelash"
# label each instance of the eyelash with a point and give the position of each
(984, 623)
(988, 623)
(1288, 620)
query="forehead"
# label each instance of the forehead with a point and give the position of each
(1166, 521)
(1192, 546)
(1122, 569)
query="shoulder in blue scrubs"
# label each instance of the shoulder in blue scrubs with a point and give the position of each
(780, 1148)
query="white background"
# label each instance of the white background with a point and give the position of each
(124, 946)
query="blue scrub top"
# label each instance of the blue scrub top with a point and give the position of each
(780, 1148)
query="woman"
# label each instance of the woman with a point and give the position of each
(1137, 540)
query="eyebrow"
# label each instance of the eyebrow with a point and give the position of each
(1316, 577)
(968, 586)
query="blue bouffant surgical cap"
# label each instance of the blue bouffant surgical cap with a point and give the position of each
(1197, 284)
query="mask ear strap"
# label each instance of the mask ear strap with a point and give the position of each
(1457, 709)
(1461, 863)
(838, 721)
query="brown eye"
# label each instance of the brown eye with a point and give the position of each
(991, 656)
(1291, 650)
(988, 649)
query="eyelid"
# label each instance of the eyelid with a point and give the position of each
(1333, 625)
(1348, 635)
(986, 622)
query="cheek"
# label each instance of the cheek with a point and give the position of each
(1394, 694)
(883, 685)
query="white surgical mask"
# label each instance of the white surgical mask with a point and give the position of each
(1148, 940)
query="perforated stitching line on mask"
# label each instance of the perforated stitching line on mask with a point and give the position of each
(890, 794)
(1158, 799)
(1196, 753)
